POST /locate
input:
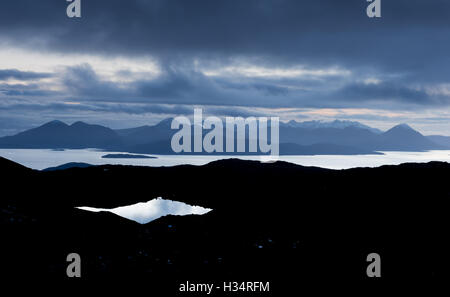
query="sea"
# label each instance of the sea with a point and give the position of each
(44, 158)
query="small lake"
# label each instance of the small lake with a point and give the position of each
(146, 212)
(44, 158)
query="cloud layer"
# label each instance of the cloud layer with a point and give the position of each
(129, 59)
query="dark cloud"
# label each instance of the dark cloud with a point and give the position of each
(31, 90)
(407, 50)
(387, 91)
(267, 88)
(181, 85)
(97, 107)
(6, 74)
(130, 108)
(410, 36)
(231, 111)
(83, 81)
(174, 85)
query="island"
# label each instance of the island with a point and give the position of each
(127, 156)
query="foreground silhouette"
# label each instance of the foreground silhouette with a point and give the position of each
(275, 222)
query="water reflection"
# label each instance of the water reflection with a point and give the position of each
(145, 212)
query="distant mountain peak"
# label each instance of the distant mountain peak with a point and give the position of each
(79, 123)
(337, 124)
(404, 130)
(403, 126)
(68, 166)
(166, 122)
(54, 123)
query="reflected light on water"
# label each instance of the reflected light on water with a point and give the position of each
(145, 212)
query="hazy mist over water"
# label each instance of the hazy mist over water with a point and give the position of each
(44, 158)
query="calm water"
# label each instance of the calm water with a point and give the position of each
(149, 211)
(43, 158)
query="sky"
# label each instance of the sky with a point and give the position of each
(136, 62)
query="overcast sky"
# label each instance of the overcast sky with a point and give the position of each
(135, 62)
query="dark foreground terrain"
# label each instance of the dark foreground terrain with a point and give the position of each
(277, 222)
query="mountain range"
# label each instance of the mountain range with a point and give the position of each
(296, 138)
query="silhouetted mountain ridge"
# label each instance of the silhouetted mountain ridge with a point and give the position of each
(57, 134)
(307, 138)
(338, 124)
(68, 166)
(268, 219)
(441, 140)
